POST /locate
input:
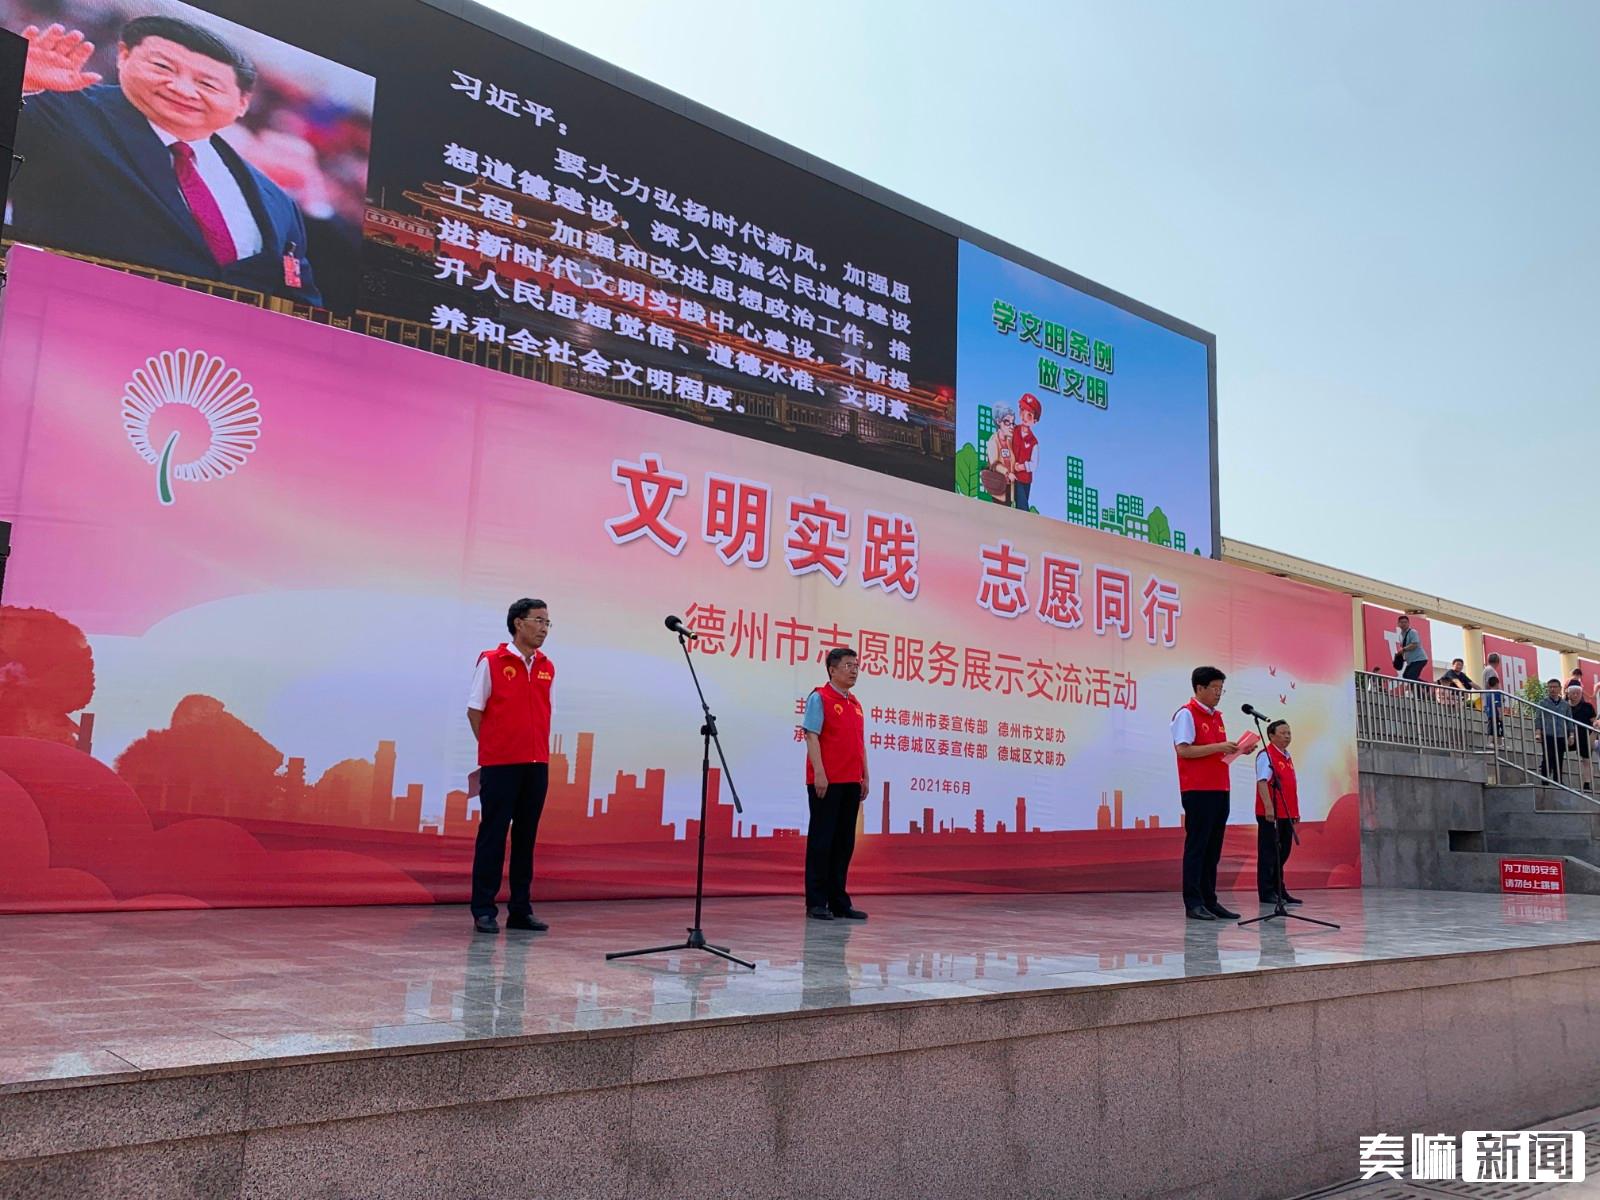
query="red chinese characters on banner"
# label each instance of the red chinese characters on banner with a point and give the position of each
(1059, 601)
(1162, 608)
(889, 553)
(1000, 587)
(818, 538)
(1113, 601)
(737, 519)
(907, 659)
(651, 491)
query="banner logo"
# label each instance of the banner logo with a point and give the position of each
(218, 392)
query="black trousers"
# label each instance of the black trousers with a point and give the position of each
(1555, 749)
(1272, 846)
(830, 841)
(1205, 821)
(511, 797)
(1413, 670)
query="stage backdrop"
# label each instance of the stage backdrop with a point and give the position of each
(255, 560)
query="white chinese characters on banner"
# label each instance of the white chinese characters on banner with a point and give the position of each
(670, 272)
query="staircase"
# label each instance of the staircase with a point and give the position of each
(1442, 803)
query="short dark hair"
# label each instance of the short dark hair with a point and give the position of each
(1204, 677)
(837, 655)
(192, 37)
(1272, 725)
(1548, 682)
(1454, 661)
(520, 609)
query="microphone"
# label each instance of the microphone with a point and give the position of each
(678, 627)
(1249, 710)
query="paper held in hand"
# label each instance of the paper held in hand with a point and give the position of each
(1246, 744)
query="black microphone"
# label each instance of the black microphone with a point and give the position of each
(678, 627)
(1249, 710)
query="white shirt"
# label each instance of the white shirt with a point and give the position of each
(1183, 725)
(1264, 767)
(478, 697)
(230, 197)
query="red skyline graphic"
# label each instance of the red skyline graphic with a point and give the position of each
(209, 773)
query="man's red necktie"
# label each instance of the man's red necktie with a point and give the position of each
(203, 205)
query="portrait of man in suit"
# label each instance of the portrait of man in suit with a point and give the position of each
(136, 171)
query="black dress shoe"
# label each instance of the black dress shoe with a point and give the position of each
(486, 924)
(1222, 914)
(1288, 899)
(1199, 913)
(820, 913)
(1267, 898)
(528, 922)
(849, 914)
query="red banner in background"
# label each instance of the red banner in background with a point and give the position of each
(1589, 672)
(1381, 639)
(1519, 662)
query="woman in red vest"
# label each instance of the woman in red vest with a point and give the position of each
(1201, 742)
(509, 710)
(836, 781)
(1277, 809)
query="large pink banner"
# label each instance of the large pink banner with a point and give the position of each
(255, 560)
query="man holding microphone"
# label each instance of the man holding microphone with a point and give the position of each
(1277, 809)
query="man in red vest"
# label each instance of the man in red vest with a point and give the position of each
(836, 781)
(1277, 809)
(1200, 742)
(509, 710)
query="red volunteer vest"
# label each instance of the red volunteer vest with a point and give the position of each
(1285, 792)
(516, 721)
(842, 739)
(1023, 440)
(1208, 774)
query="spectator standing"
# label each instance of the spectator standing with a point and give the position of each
(1552, 720)
(1583, 713)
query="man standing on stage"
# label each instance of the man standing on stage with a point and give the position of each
(836, 781)
(509, 710)
(1277, 809)
(1200, 742)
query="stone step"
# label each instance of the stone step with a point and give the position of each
(1581, 849)
(1541, 824)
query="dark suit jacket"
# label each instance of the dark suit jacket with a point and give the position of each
(98, 181)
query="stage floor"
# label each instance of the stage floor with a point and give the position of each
(102, 995)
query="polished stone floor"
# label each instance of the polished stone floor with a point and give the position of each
(102, 994)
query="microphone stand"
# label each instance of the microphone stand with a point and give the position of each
(1281, 907)
(708, 732)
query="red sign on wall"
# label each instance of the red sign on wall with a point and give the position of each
(1590, 673)
(1532, 875)
(1519, 662)
(1381, 639)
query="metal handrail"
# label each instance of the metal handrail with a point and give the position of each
(1510, 731)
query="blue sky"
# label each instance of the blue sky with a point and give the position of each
(1386, 213)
